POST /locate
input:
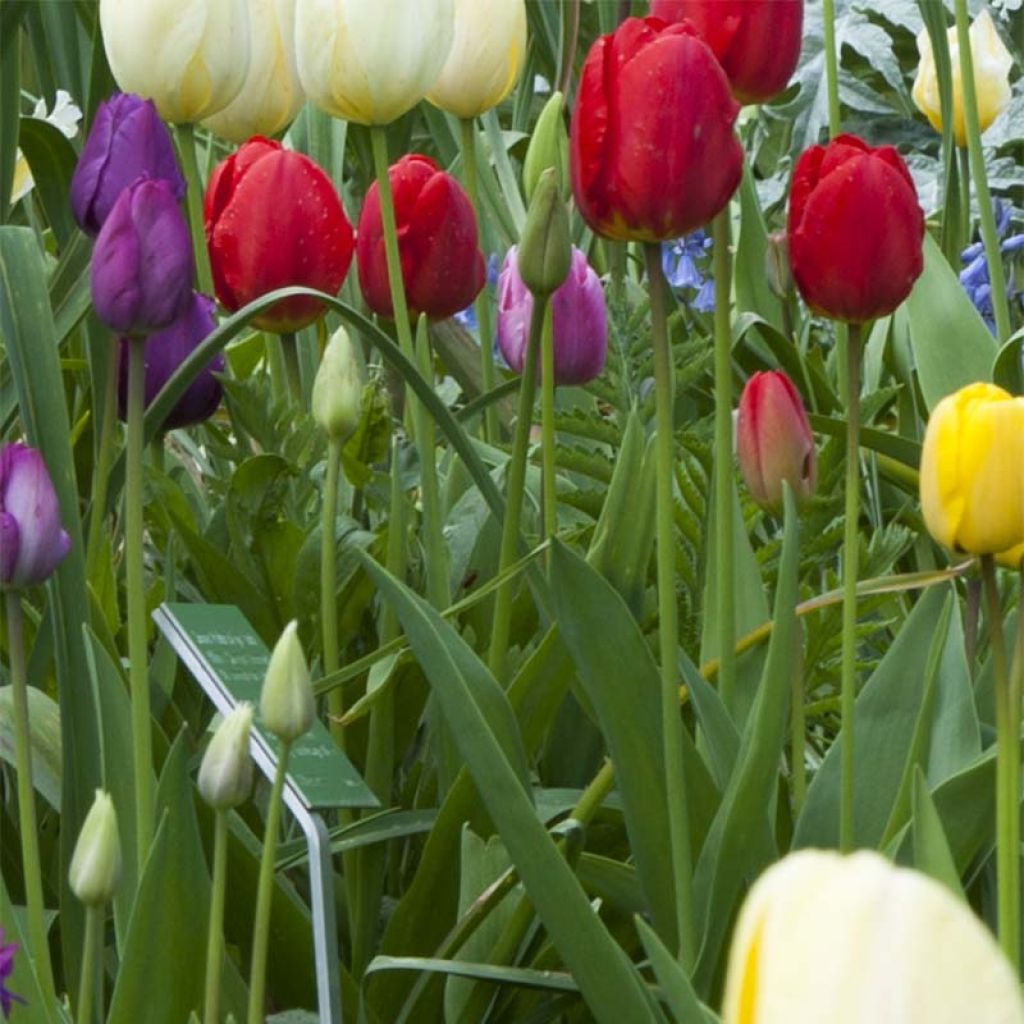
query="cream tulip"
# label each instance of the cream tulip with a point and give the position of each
(272, 94)
(189, 56)
(369, 61)
(486, 57)
(823, 937)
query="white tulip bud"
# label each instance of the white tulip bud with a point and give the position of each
(338, 388)
(96, 862)
(286, 703)
(225, 776)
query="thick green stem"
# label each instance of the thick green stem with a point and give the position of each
(570, 39)
(831, 67)
(135, 584)
(275, 367)
(265, 891)
(851, 538)
(668, 615)
(290, 350)
(101, 474)
(194, 203)
(39, 949)
(87, 986)
(964, 189)
(215, 935)
(547, 414)
(328, 591)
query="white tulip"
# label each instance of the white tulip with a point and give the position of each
(286, 701)
(96, 861)
(225, 775)
(338, 388)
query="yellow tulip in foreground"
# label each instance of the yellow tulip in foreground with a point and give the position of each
(992, 63)
(486, 57)
(854, 940)
(972, 471)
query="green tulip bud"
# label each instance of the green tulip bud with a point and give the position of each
(338, 388)
(96, 861)
(549, 147)
(286, 703)
(776, 264)
(225, 776)
(545, 251)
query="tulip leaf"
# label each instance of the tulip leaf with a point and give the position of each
(751, 281)
(44, 740)
(22, 981)
(1008, 368)
(931, 850)
(52, 160)
(676, 987)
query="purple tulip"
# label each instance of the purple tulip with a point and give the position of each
(165, 352)
(32, 541)
(579, 320)
(142, 262)
(127, 141)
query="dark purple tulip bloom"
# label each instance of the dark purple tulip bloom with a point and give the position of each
(579, 320)
(142, 261)
(32, 540)
(165, 352)
(127, 141)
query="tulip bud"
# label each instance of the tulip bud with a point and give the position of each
(776, 265)
(549, 147)
(225, 775)
(338, 388)
(823, 937)
(96, 862)
(545, 251)
(141, 273)
(286, 702)
(774, 441)
(127, 141)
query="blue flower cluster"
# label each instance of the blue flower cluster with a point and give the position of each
(683, 261)
(974, 277)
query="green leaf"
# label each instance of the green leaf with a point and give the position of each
(1008, 369)
(52, 159)
(676, 987)
(44, 740)
(931, 850)
(22, 981)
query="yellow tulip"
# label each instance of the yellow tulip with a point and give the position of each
(992, 63)
(972, 471)
(852, 940)
(486, 57)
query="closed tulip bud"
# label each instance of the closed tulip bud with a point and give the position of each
(271, 94)
(972, 471)
(274, 219)
(225, 775)
(164, 352)
(549, 147)
(757, 42)
(338, 388)
(992, 65)
(442, 266)
(823, 937)
(776, 265)
(774, 441)
(545, 250)
(189, 58)
(486, 56)
(141, 273)
(286, 702)
(578, 320)
(127, 141)
(32, 540)
(96, 862)
(369, 61)
(855, 229)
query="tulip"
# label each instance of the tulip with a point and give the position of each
(548, 147)
(370, 61)
(225, 775)
(652, 149)
(32, 540)
(442, 266)
(578, 317)
(823, 937)
(96, 862)
(855, 229)
(757, 42)
(286, 701)
(273, 219)
(127, 141)
(338, 388)
(544, 249)
(486, 56)
(992, 65)
(164, 352)
(271, 95)
(141, 273)
(972, 471)
(774, 441)
(189, 58)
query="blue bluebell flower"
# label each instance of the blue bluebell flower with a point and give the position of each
(467, 317)
(974, 277)
(684, 263)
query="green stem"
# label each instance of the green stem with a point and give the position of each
(39, 948)
(851, 539)
(292, 371)
(798, 727)
(101, 475)
(986, 218)
(964, 185)
(831, 67)
(668, 615)
(275, 366)
(328, 590)
(194, 203)
(570, 38)
(1007, 774)
(516, 483)
(265, 891)
(87, 987)
(215, 936)
(547, 407)
(135, 583)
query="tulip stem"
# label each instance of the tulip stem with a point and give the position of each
(215, 937)
(851, 539)
(831, 67)
(964, 184)
(328, 593)
(194, 204)
(88, 991)
(986, 218)
(101, 474)
(668, 616)
(265, 890)
(1007, 702)
(547, 407)
(138, 674)
(38, 946)
(292, 371)
(516, 482)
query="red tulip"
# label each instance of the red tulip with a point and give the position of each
(273, 219)
(855, 229)
(757, 42)
(442, 266)
(652, 149)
